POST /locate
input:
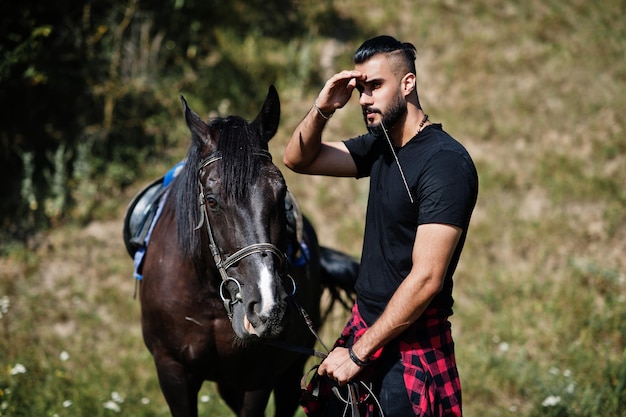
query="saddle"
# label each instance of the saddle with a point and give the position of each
(140, 214)
(143, 211)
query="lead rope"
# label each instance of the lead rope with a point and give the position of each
(352, 402)
(352, 399)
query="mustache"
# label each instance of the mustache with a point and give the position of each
(370, 110)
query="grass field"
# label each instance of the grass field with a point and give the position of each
(537, 93)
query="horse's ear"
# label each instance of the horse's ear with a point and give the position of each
(267, 120)
(199, 129)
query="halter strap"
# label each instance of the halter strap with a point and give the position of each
(261, 248)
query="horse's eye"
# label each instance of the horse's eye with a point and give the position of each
(211, 202)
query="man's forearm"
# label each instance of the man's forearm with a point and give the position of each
(305, 142)
(406, 306)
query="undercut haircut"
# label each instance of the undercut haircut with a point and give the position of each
(403, 53)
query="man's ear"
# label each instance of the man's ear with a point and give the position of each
(408, 84)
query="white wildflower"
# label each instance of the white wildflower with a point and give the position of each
(4, 305)
(113, 406)
(145, 401)
(205, 398)
(554, 371)
(570, 388)
(503, 347)
(67, 403)
(18, 369)
(64, 356)
(116, 397)
(567, 373)
(551, 401)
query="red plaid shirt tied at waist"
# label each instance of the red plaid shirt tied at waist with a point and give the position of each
(430, 374)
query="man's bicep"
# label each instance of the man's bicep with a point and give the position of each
(434, 246)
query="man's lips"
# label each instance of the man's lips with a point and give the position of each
(370, 115)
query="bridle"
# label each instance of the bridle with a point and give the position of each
(223, 264)
(262, 248)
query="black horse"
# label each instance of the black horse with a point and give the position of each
(220, 299)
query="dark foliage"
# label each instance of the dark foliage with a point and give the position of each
(89, 74)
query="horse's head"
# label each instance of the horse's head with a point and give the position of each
(242, 197)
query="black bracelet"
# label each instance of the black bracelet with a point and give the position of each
(355, 358)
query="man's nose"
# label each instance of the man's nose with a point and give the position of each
(366, 99)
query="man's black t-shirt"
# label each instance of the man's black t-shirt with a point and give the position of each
(444, 186)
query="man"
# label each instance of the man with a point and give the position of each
(423, 188)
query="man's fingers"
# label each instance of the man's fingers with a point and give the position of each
(345, 75)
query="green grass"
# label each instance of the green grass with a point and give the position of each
(535, 90)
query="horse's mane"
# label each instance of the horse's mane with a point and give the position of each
(236, 142)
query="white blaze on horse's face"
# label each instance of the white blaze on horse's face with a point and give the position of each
(266, 283)
(268, 301)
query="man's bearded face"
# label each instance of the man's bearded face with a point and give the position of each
(397, 108)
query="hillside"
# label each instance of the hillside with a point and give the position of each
(536, 91)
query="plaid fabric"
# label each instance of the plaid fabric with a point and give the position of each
(430, 374)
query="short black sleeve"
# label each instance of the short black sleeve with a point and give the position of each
(447, 190)
(364, 150)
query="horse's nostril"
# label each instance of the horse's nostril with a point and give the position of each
(254, 313)
(266, 324)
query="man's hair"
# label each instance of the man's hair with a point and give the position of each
(391, 47)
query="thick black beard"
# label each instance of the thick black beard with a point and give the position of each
(396, 110)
